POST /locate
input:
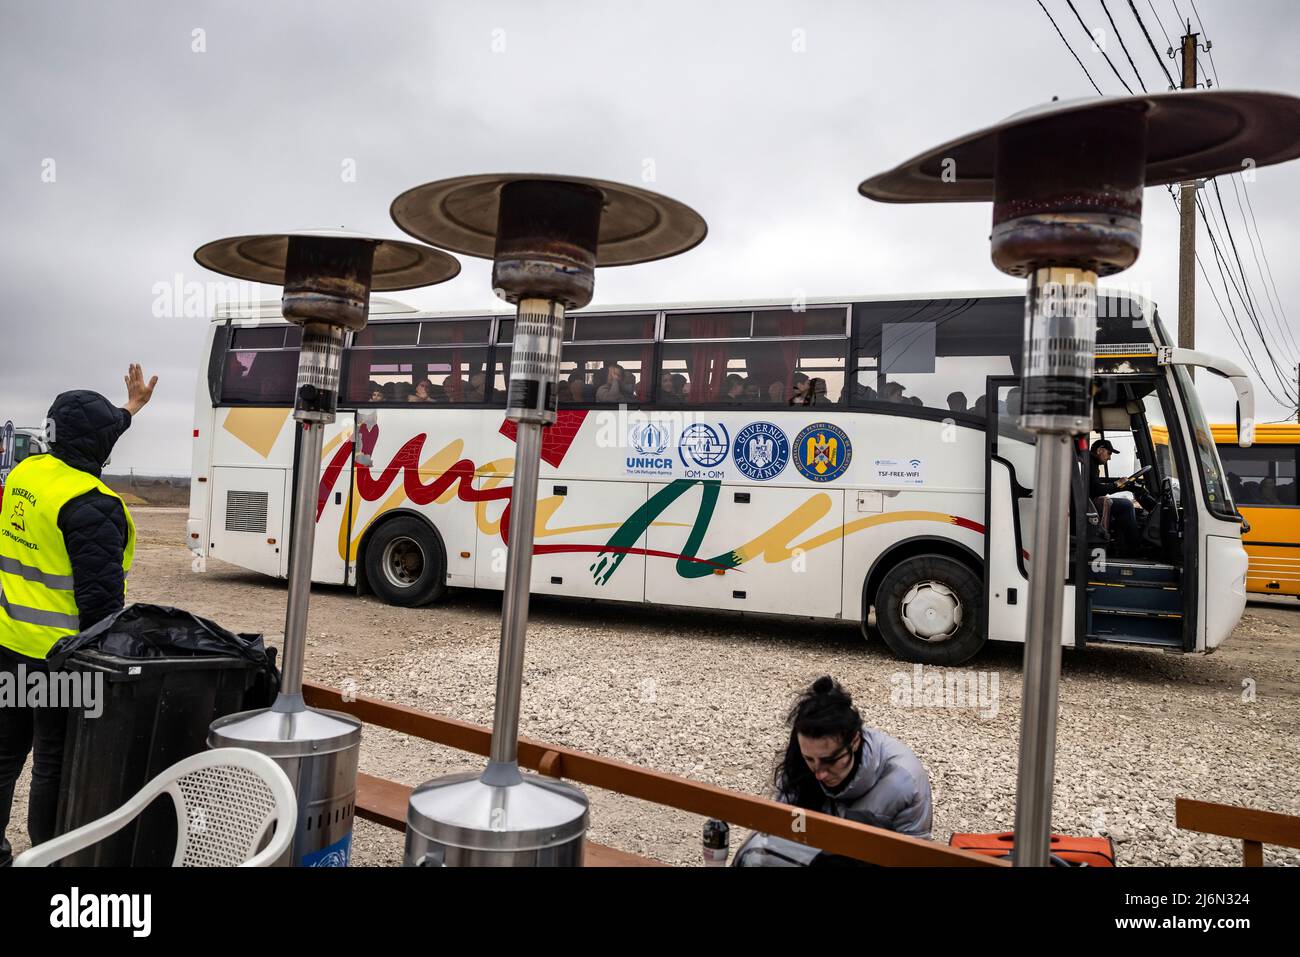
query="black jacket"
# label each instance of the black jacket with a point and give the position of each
(1098, 485)
(84, 427)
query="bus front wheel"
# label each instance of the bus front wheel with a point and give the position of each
(406, 564)
(928, 610)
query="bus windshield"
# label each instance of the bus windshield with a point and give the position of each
(1217, 496)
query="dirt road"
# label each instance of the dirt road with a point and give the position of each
(705, 695)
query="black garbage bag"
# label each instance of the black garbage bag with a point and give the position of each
(160, 631)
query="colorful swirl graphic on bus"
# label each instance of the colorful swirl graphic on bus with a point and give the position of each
(453, 477)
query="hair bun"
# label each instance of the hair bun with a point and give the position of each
(823, 685)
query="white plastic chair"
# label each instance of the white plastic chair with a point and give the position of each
(226, 800)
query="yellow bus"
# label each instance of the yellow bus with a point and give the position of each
(1263, 483)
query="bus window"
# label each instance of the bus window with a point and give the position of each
(259, 368)
(1261, 475)
(771, 369)
(935, 354)
(606, 374)
(435, 361)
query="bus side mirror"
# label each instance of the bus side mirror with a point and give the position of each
(1245, 413)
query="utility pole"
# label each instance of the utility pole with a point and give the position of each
(1187, 221)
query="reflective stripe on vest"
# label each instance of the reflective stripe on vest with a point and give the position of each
(37, 603)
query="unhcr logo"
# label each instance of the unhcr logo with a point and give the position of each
(938, 688)
(649, 442)
(38, 688)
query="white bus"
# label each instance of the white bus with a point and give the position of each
(854, 460)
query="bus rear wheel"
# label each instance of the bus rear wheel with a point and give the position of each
(406, 564)
(928, 610)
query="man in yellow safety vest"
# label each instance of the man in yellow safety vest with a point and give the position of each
(66, 543)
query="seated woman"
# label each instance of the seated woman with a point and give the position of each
(835, 764)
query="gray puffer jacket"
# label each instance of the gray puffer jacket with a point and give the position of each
(888, 788)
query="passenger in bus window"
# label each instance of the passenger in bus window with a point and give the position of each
(835, 764)
(1268, 492)
(753, 394)
(800, 384)
(859, 392)
(455, 386)
(957, 402)
(776, 391)
(376, 392)
(1013, 402)
(671, 388)
(733, 388)
(894, 392)
(477, 387)
(981, 406)
(817, 392)
(571, 389)
(437, 393)
(613, 390)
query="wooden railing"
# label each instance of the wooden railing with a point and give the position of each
(833, 834)
(1253, 828)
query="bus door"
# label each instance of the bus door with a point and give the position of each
(1008, 510)
(1136, 590)
(1009, 518)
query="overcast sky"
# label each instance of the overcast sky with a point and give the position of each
(762, 116)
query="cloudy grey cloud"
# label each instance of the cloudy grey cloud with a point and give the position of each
(764, 116)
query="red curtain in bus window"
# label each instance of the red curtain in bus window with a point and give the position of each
(358, 375)
(708, 365)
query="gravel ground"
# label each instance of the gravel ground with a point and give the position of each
(704, 695)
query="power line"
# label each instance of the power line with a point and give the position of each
(1120, 37)
(1240, 334)
(1101, 50)
(1275, 306)
(1151, 43)
(1245, 281)
(1213, 68)
(1179, 14)
(1159, 23)
(1221, 260)
(1071, 49)
(1251, 207)
(1290, 391)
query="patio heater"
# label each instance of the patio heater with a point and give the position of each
(327, 276)
(1066, 183)
(545, 235)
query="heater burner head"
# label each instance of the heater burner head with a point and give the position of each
(1189, 135)
(463, 214)
(398, 264)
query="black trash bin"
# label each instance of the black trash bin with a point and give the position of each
(161, 684)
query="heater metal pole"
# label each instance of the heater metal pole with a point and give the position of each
(1056, 395)
(302, 540)
(327, 278)
(514, 612)
(544, 235)
(530, 403)
(1042, 669)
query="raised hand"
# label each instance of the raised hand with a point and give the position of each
(137, 392)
